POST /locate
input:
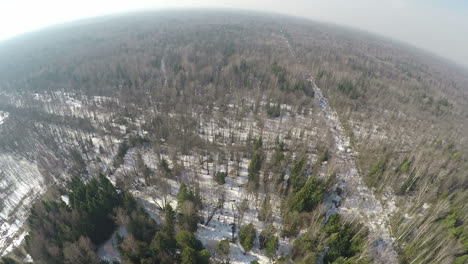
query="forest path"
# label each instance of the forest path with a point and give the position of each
(352, 198)
(163, 69)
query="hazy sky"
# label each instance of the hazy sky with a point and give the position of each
(440, 26)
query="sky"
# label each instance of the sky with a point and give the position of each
(438, 26)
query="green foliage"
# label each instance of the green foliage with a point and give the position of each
(61, 226)
(185, 239)
(297, 177)
(308, 197)
(247, 236)
(320, 74)
(7, 260)
(188, 204)
(141, 225)
(304, 86)
(278, 155)
(254, 168)
(455, 226)
(203, 257)
(128, 202)
(177, 68)
(91, 206)
(220, 177)
(268, 241)
(345, 241)
(258, 144)
(264, 237)
(142, 167)
(352, 260)
(456, 156)
(279, 144)
(223, 248)
(188, 256)
(164, 244)
(324, 155)
(121, 152)
(443, 102)
(273, 111)
(242, 68)
(307, 247)
(192, 248)
(461, 260)
(164, 165)
(409, 185)
(265, 211)
(95, 201)
(291, 224)
(333, 224)
(156, 62)
(143, 235)
(375, 173)
(405, 166)
(186, 194)
(167, 245)
(191, 48)
(284, 81)
(282, 76)
(349, 89)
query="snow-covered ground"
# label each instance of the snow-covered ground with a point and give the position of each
(20, 184)
(21, 180)
(3, 116)
(219, 227)
(108, 250)
(358, 200)
(199, 170)
(222, 130)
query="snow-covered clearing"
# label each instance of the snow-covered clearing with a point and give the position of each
(20, 184)
(220, 226)
(199, 170)
(227, 131)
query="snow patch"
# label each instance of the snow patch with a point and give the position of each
(65, 199)
(3, 117)
(20, 185)
(28, 259)
(108, 250)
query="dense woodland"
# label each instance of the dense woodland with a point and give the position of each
(175, 96)
(69, 232)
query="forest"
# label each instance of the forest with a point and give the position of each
(69, 232)
(227, 138)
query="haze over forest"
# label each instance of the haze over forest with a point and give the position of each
(438, 26)
(208, 136)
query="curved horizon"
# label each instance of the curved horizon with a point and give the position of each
(436, 26)
(238, 10)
